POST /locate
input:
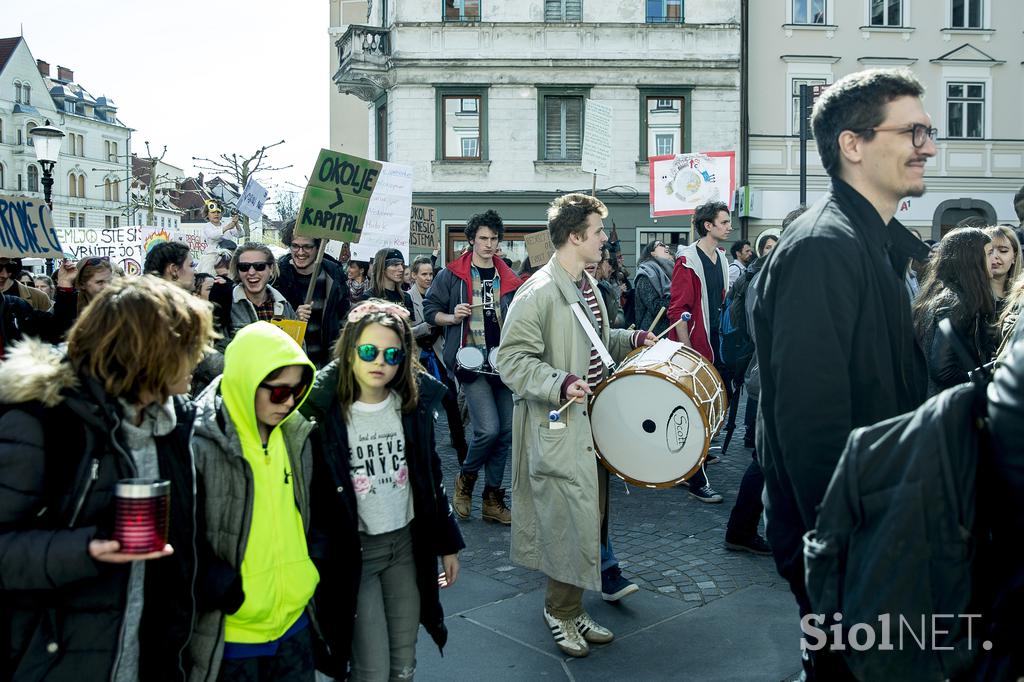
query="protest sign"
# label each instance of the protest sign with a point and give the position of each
(127, 246)
(539, 248)
(387, 213)
(423, 231)
(681, 183)
(337, 198)
(597, 139)
(293, 328)
(26, 229)
(250, 204)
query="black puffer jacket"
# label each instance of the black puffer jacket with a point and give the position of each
(334, 541)
(60, 457)
(333, 285)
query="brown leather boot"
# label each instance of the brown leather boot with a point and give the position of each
(462, 501)
(494, 508)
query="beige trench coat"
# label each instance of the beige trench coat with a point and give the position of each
(556, 524)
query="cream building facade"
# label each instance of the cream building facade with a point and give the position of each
(485, 100)
(968, 54)
(91, 177)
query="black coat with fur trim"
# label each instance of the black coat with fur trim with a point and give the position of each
(60, 457)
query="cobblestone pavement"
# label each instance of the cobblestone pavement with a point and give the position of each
(666, 541)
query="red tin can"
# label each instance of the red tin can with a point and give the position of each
(142, 514)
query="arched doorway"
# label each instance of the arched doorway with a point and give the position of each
(952, 211)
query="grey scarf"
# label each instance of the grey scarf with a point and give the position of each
(659, 271)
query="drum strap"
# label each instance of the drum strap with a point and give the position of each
(591, 333)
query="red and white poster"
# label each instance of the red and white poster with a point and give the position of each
(682, 182)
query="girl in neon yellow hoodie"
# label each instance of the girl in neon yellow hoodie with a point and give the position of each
(254, 460)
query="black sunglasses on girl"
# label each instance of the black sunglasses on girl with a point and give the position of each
(280, 394)
(368, 353)
(259, 267)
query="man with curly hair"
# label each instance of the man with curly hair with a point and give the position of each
(470, 299)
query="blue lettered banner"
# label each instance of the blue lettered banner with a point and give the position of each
(26, 229)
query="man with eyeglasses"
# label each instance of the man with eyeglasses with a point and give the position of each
(832, 323)
(330, 302)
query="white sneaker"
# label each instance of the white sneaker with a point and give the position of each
(591, 631)
(567, 637)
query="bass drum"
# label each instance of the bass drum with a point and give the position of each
(654, 418)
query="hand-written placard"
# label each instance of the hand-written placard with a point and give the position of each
(597, 139)
(539, 248)
(423, 232)
(26, 229)
(387, 213)
(337, 199)
(250, 204)
(127, 246)
(682, 182)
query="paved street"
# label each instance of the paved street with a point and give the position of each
(703, 612)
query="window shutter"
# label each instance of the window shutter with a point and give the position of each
(574, 10)
(553, 10)
(573, 127)
(552, 127)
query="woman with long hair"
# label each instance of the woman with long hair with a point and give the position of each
(358, 281)
(387, 275)
(381, 496)
(956, 286)
(1004, 260)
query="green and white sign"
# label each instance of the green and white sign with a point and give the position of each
(337, 199)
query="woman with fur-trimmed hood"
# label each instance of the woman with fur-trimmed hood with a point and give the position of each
(74, 607)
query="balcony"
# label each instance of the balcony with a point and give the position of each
(363, 54)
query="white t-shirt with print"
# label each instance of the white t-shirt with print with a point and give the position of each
(380, 475)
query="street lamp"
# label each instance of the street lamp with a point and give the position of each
(47, 139)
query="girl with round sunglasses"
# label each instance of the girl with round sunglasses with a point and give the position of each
(254, 454)
(381, 496)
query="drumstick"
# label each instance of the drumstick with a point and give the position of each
(477, 305)
(685, 318)
(657, 319)
(555, 415)
(631, 327)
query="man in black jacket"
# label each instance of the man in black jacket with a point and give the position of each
(832, 319)
(330, 297)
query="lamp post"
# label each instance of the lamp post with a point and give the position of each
(47, 139)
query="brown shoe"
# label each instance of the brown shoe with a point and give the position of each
(494, 508)
(462, 501)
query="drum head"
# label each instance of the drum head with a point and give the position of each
(492, 359)
(470, 357)
(648, 429)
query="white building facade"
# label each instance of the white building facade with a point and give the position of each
(485, 100)
(92, 176)
(967, 53)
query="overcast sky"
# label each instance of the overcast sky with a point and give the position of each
(203, 78)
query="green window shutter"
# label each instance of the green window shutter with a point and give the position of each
(552, 127)
(573, 127)
(563, 10)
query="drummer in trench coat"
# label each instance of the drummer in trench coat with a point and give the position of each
(556, 512)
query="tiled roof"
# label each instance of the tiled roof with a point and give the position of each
(7, 47)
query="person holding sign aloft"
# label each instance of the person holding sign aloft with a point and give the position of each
(215, 233)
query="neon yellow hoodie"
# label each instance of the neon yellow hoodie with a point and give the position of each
(278, 577)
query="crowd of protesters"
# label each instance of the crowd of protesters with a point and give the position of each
(309, 525)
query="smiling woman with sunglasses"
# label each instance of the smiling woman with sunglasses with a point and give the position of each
(254, 456)
(382, 498)
(253, 299)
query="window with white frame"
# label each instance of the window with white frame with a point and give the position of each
(664, 11)
(965, 110)
(470, 148)
(966, 14)
(795, 99)
(461, 10)
(886, 12)
(664, 144)
(563, 10)
(809, 12)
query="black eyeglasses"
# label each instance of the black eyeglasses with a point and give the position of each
(919, 133)
(303, 247)
(368, 353)
(10, 267)
(280, 394)
(259, 267)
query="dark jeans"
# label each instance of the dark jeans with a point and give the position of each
(293, 663)
(750, 422)
(746, 513)
(490, 418)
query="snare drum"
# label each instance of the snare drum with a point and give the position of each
(492, 359)
(654, 418)
(469, 363)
